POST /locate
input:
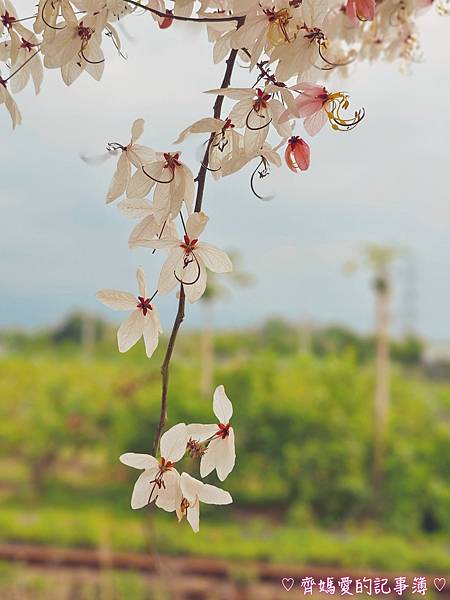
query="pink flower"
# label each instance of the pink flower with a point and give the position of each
(297, 154)
(316, 105)
(360, 10)
(311, 105)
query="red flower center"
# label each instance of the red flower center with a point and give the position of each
(228, 124)
(261, 100)
(144, 304)
(224, 431)
(27, 45)
(314, 34)
(171, 161)
(7, 20)
(188, 245)
(165, 465)
(85, 33)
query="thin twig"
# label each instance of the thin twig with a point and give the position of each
(180, 18)
(165, 369)
(200, 179)
(22, 66)
(263, 71)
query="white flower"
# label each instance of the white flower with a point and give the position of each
(159, 480)
(132, 154)
(255, 110)
(220, 453)
(27, 64)
(188, 259)
(225, 142)
(76, 47)
(149, 226)
(267, 28)
(142, 322)
(9, 102)
(173, 182)
(191, 492)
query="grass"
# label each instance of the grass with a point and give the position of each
(249, 539)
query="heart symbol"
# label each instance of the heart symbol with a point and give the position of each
(439, 583)
(288, 582)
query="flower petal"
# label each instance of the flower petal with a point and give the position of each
(199, 432)
(167, 280)
(208, 461)
(137, 130)
(210, 494)
(117, 300)
(227, 457)
(173, 443)
(222, 407)
(130, 331)
(141, 282)
(214, 259)
(190, 487)
(120, 178)
(195, 224)
(142, 489)
(151, 331)
(193, 516)
(139, 461)
(169, 493)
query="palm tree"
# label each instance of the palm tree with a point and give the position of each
(378, 259)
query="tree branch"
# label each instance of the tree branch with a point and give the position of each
(200, 179)
(180, 18)
(165, 369)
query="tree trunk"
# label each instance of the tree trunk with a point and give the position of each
(382, 391)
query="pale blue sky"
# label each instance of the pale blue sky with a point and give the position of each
(387, 181)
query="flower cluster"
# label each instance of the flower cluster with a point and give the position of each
(161, 483)
(300, 39)
(289, 48)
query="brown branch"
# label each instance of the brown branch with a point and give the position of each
(165, 369)
(180, 18)
(264, 71)
(200, 179)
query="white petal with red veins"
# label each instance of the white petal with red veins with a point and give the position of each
(142, 489)
(137, 130)
(117, 300)
(130, 331)
(173, 443)
(210, 494)
(222, 407)
(195, 225)
(214, 259)
(227, 456)
(141, 282)
(200, 432)
(139, 461)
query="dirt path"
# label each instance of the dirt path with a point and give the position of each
(185, 578)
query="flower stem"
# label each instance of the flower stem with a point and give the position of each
(180, 18)
(165, 369)
(200, 179)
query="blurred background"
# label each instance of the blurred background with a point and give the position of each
(332, 339)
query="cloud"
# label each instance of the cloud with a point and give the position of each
(385, 181)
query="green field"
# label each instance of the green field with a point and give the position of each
(302, 484)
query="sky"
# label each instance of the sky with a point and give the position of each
(385, 182)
